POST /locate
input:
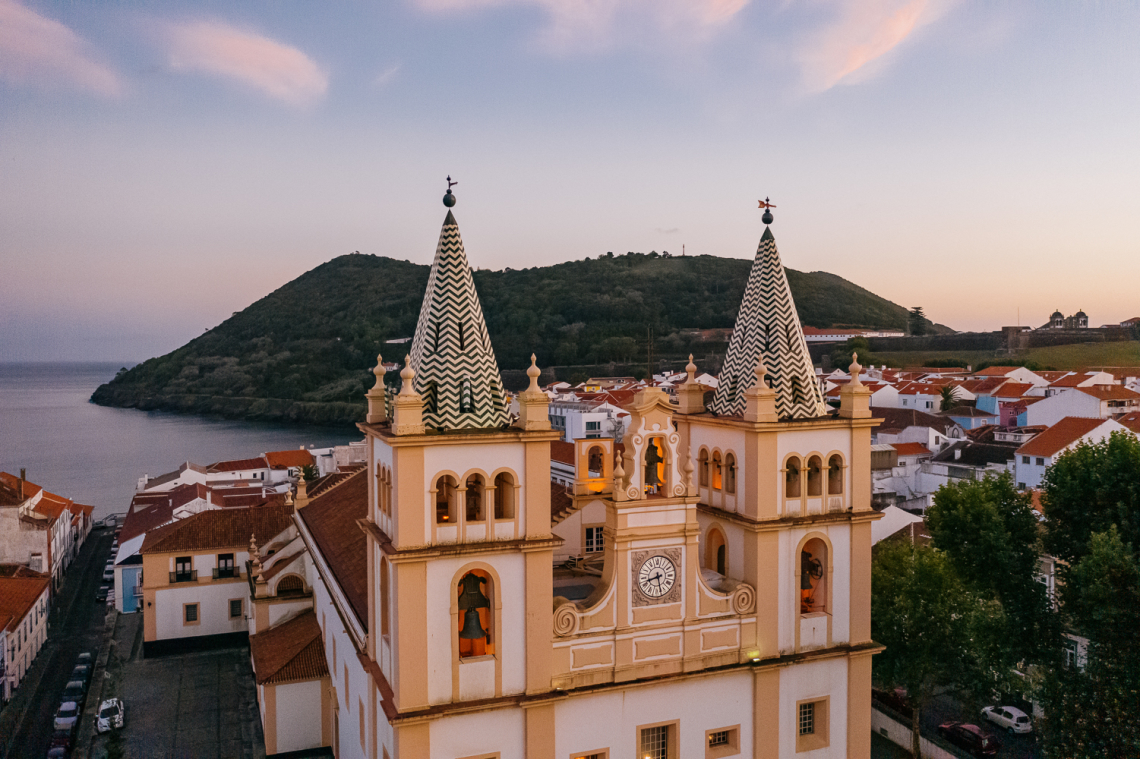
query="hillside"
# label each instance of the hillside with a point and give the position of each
(303, 352)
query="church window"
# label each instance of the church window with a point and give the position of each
(654, 465)
(813, 577)
(815, 476)
(504, 496)
(595, 462)
(384, 600)
(703, 468)
(717, 471)
(792, 478)
(729, 473)
(474, 498)
(291, 585)
(475, 594)
(445, 498)
(594, 542)
(657, 741)
(716, 552)
(466, 405)
(835, 475)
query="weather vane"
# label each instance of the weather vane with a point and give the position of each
(767, 217)
(448, 198)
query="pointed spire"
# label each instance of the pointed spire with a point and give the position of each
(768, 331)
(454, 363)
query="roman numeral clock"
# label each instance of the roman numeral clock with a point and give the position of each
(656, 576)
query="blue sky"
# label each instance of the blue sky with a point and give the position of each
(167, 164)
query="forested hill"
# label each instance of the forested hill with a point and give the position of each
(303, 351)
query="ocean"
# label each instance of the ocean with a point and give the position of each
(95, 455)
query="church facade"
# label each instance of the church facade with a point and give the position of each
(726, 614)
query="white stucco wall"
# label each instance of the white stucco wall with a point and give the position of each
(299, 716)
(811, 680)
(213, 601)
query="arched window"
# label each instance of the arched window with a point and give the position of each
(384, 601)
(474, 499)
(290, 585)
(703, 468)
(504, 496)
(716, 554)
(466, 404)
(476, 596)
(835, 475)
(595, 462)
(445, 497)
(792, 478)
(717, 471)
(813, 577)
(654, 465)
(815, 476)
(729, 473)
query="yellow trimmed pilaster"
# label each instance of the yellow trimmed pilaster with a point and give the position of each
(539, 623)
(413, 741)
(410, 683)
(540, 732)
(859, 706)
(860, 598)
(537, 488)
(766, 714)
(410, 496)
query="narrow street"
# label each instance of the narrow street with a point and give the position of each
(74, 625)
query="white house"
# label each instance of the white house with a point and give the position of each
(1092, 402)
(1036, 456)
(24, 607)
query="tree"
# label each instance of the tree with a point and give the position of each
(917, 321)
(1089, 489)
(926, 618)
(1095, 711)
(949, 397)
(990, 533)
(310, 472)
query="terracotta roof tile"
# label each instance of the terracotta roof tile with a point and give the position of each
(996, 371)
(1061, 435)
(218, 528)
(1131, 421)
(237, 465)
(8, 495)
(1110, 393)
(562, 451)
(291, 651)
(901, 418)
(911, 449)
(18, 594)
(332, 521)
(287, 459)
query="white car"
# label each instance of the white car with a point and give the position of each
(111, 714)
(1011, 718)
(67, 715)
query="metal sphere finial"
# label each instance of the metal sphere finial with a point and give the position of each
(767, 218)
(448, 197)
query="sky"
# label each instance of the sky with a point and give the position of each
(163, 165)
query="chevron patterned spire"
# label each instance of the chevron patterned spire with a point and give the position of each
(768, 329)
(456, 372)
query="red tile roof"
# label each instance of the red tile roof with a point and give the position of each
(218, 528)
(237, 465)
(291, 651)
(18, 594)
(911, 449)
(1058, 437)
(332, 521)
(1013, 389)
(287, 459)
(1110, 393)
(996, 371)
(1131, 420)
(562, 451)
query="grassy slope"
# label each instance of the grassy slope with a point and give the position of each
(303, 351)
(1059, 357)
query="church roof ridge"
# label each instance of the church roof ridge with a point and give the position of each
(768, 329)
(454, 362)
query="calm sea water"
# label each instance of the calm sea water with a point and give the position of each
(95, 455)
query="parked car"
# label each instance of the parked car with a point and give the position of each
(57, 752)
(111, 715)
(83, 658)
(63, 738)
(67, 715)
(108, 575)
(81, 672)
(74, 691)
(101, 594)
(894, 699)
(972, 738)
(1010, 717)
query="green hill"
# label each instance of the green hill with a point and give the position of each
(303, 352)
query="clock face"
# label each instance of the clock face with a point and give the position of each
(656, 576)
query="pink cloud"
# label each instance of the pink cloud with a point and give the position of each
(578, 24)
(276, 69)
(864, 32)
(35, 50)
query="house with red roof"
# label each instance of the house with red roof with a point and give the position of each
(1079, 380)
(1091, 401)
(24, 605)
(38, 528)
(1036, 456)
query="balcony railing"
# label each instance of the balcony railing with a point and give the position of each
(191, 576)
(221, 573)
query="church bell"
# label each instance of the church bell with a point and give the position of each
(472, 630)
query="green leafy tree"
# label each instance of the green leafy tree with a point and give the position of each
(949, 397)
(990, 533)
(917, 321)
(926, 618)
(1095, 711)
(1088, 490)
(310, 472)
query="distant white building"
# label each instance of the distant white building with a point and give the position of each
(1036, 456)
(1091, 402)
